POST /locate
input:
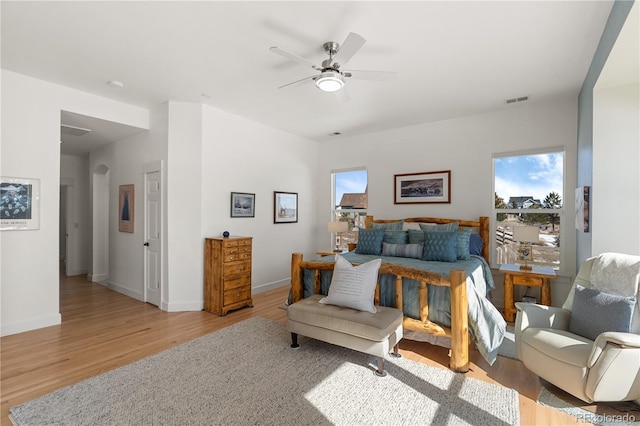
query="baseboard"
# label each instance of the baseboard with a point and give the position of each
(270, 286)
(126, 291)
(96, 278)
(183, 306)
(32, 324)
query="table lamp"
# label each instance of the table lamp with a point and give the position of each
(525, 235)
(336, 228)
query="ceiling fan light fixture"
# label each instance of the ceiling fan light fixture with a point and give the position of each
(330, 81)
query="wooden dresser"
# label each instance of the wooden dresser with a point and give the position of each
(227, 274)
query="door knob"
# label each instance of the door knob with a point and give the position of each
(146, 244)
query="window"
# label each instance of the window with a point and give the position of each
(349, 203)
(528, 192)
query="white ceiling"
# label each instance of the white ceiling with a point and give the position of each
(452, 58)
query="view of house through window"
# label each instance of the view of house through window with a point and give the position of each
(528, 193)
(349, 198)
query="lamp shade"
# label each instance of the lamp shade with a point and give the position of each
(525, 234)
(330, 82)
(336, 227)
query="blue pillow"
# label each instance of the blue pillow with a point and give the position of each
(462, 247)
(595, 312)
(440, 246)
(392, 226)
(395, 237)
(413, 251)
(370, 241)
(416, 237)
(443, 227)
(475, 245)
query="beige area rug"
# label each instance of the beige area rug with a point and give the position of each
(248, 374)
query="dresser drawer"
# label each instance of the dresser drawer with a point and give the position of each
(237, 295)
(234, 268)
(232, 254)
(527, 280)
(244, 243)
(230, 243)
(237, 281)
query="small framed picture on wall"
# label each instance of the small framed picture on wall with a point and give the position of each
(126, 210)
(285, 207)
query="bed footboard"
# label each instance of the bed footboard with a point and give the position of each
(457, 282)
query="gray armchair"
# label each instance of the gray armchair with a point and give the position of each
(591, 346)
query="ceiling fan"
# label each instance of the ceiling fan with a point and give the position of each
(332, 76)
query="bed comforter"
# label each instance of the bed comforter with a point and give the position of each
(486, 324)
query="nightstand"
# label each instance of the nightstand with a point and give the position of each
(539, 276)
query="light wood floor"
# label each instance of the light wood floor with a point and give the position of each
(102, 330)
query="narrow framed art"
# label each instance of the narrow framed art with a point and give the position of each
(285, 207)
(19, 204)
(243, 204)
(421, 188)
(126, 211)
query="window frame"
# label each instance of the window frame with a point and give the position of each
(334, 211)
(565, 221)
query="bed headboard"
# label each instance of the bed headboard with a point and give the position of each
(481, 226)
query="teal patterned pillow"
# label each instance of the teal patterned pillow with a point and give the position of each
(395, 237)
(462, 248)
(392, 226)
(370, 241)
(440, 246)
(413, 251)
(416, 237)
(443, 227)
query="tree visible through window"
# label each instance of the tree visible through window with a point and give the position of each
(350, 200)
(528, 192)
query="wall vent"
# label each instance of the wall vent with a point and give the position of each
(65, 129)
(516, 100)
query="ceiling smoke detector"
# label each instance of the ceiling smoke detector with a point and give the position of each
(516, 100)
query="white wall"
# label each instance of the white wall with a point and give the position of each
(616, 171)
(239, 155)
(31, 149)
(464, 146)
(74, 171)
(184, 236)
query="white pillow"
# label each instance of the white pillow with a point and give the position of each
(353, 286)
(406, 226)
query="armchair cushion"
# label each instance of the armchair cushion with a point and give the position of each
(595, 312)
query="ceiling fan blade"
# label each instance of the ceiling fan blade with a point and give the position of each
(342, 95)
(370, 75)
(350, 47)
(301, 82)
(299, 59)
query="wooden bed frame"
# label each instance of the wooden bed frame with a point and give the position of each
(459, 331)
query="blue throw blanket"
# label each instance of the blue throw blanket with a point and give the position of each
(486, 325)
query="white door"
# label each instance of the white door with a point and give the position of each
(152, 235)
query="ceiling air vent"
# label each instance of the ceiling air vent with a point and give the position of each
(65, 129)
(516, 100)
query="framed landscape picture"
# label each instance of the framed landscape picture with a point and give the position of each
(243, 204)
(420, 188)
(285, 207)
(19, 204)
